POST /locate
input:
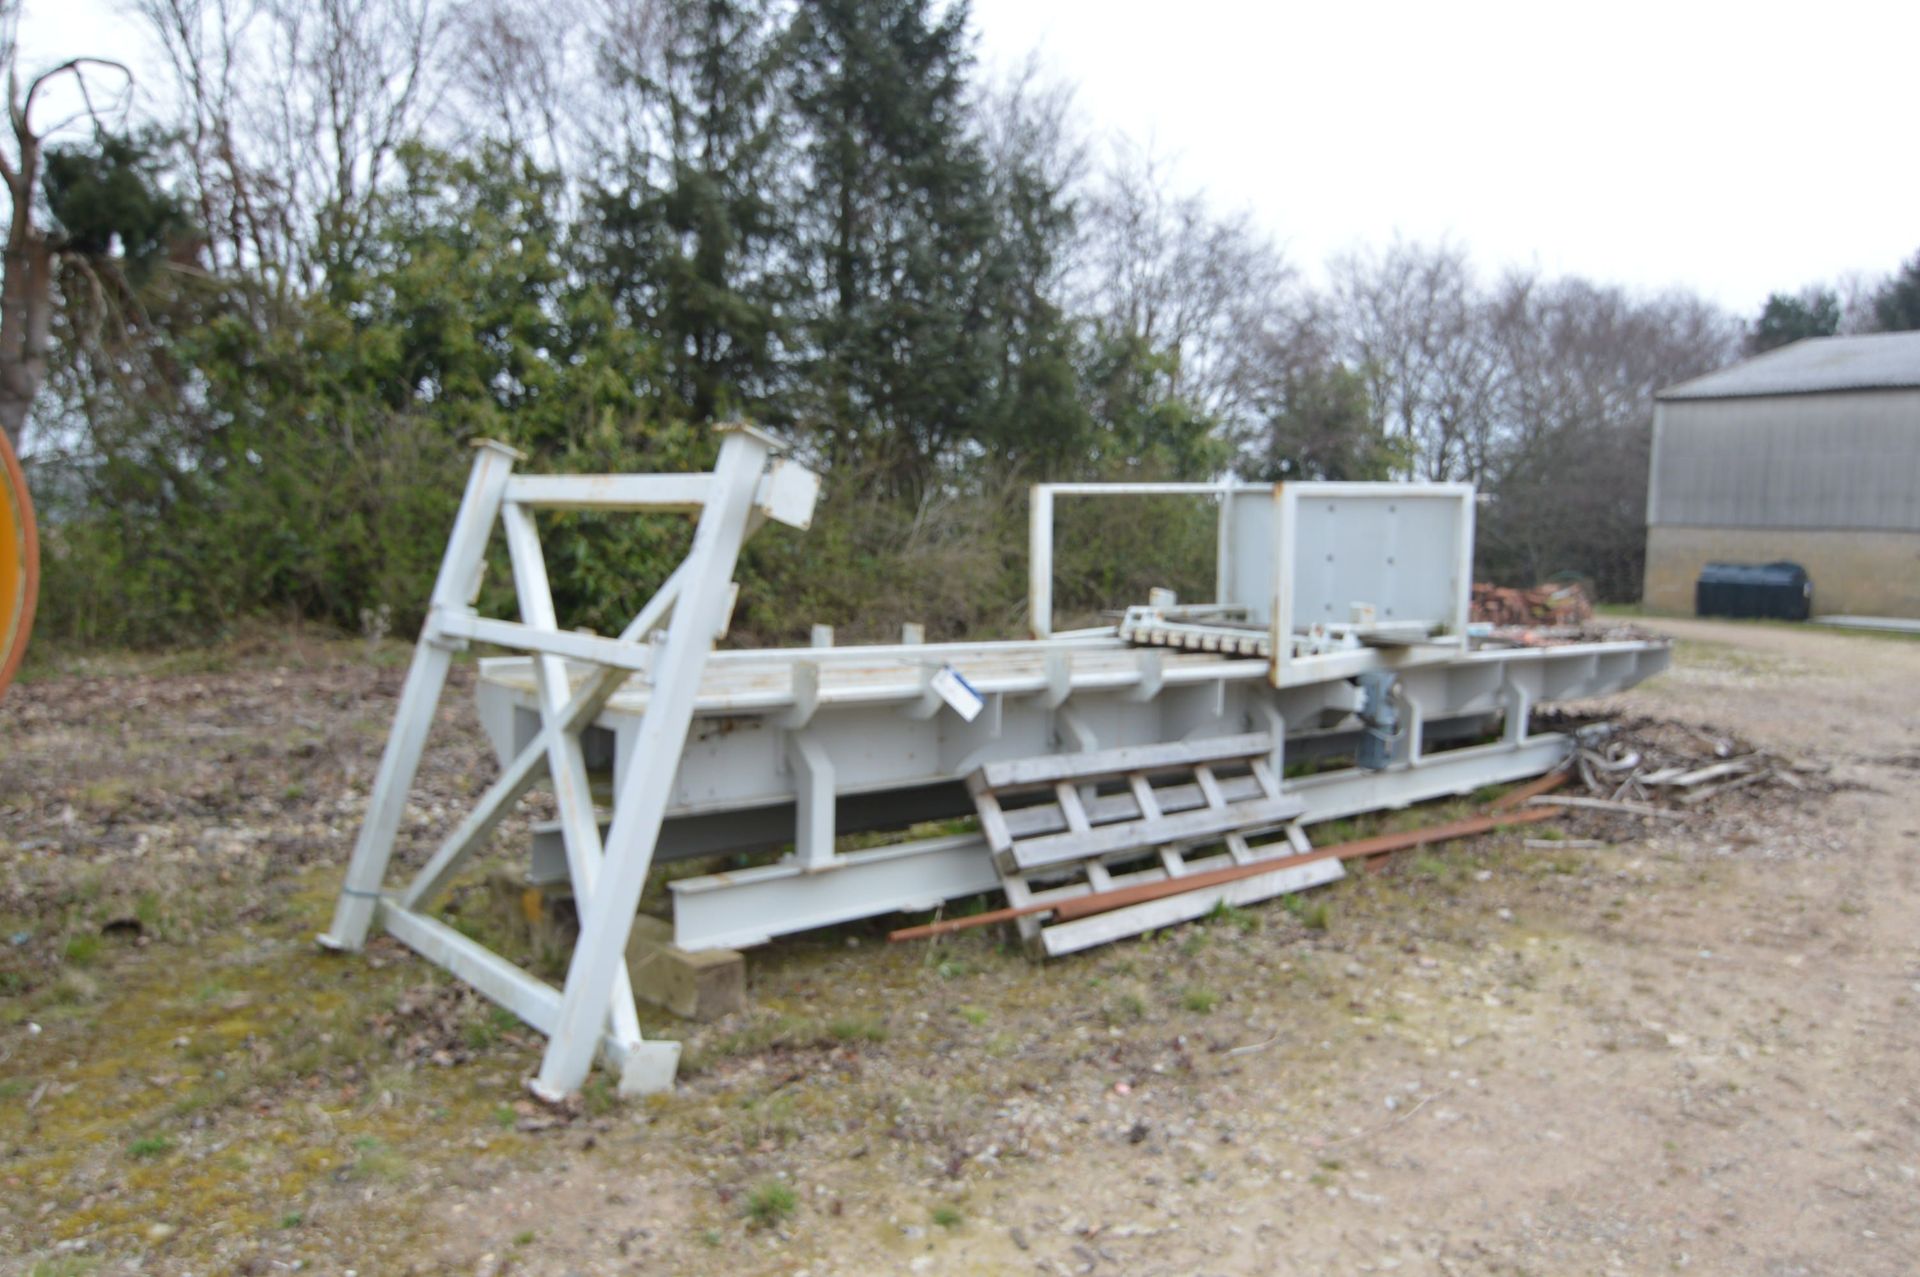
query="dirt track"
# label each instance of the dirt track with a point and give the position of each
(1692, 1051)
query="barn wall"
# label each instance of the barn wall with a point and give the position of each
(1860, 573)
(1846, 460)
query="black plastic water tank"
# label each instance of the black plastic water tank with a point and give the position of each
(1774, 591)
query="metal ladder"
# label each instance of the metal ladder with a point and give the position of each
(1064, 825)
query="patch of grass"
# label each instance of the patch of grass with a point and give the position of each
(292, 1219)
(81, 949)
(948, 1217)
(770, 1203)
(524, 1237)
(73, 989)
(1127, 1008)
(768, 1120)
(487, 1030)
(148, 1147)
(1234, 916)
(65, 1266)
(864, 1028)
(375, 1161)
(976, 1016)
(1199, 1000)
(1313, 915)
(106, 795)
(600, 1096)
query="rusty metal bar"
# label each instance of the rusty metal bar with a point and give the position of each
(1532, 789)
(1101, 901)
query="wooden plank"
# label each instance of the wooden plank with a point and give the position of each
(1135, 835)
(1083, 906)
(1143, 797)
(1263, 776)
(1117, 924)
(1238, 849)
(1045, 770)
(993, 822)
(1069, 800)
(1209, 786)
(1045, 818)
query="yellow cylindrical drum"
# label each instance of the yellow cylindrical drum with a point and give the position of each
(19, 564)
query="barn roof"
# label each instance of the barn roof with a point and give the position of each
(1877, 362)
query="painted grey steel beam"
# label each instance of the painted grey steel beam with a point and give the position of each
(454, 591)
(746, 907)
(641, 802)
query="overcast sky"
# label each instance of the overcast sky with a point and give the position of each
(1733, 149)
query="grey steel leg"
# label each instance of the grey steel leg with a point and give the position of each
(455, 589)
(643, 794)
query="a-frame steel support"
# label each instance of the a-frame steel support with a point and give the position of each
(594, 1011)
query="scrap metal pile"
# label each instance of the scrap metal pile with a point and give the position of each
(1646, 760)
(1643, 769)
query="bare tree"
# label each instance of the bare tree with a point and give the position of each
(522, 76)
(33, 254)
(1412, 322)
(293, 113)
(1582, 363)
(1167, 269)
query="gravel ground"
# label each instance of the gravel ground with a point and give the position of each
(1692, 1049)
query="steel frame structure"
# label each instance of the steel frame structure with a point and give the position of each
(771, 749)
(797, 746)
(666, 645)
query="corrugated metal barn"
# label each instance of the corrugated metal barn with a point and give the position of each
(1809, 453)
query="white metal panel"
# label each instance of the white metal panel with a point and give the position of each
(1402, 552)
(1253, 538)
(1395, 546)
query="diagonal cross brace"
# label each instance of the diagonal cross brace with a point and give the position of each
(520, 774)
(566, 760)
